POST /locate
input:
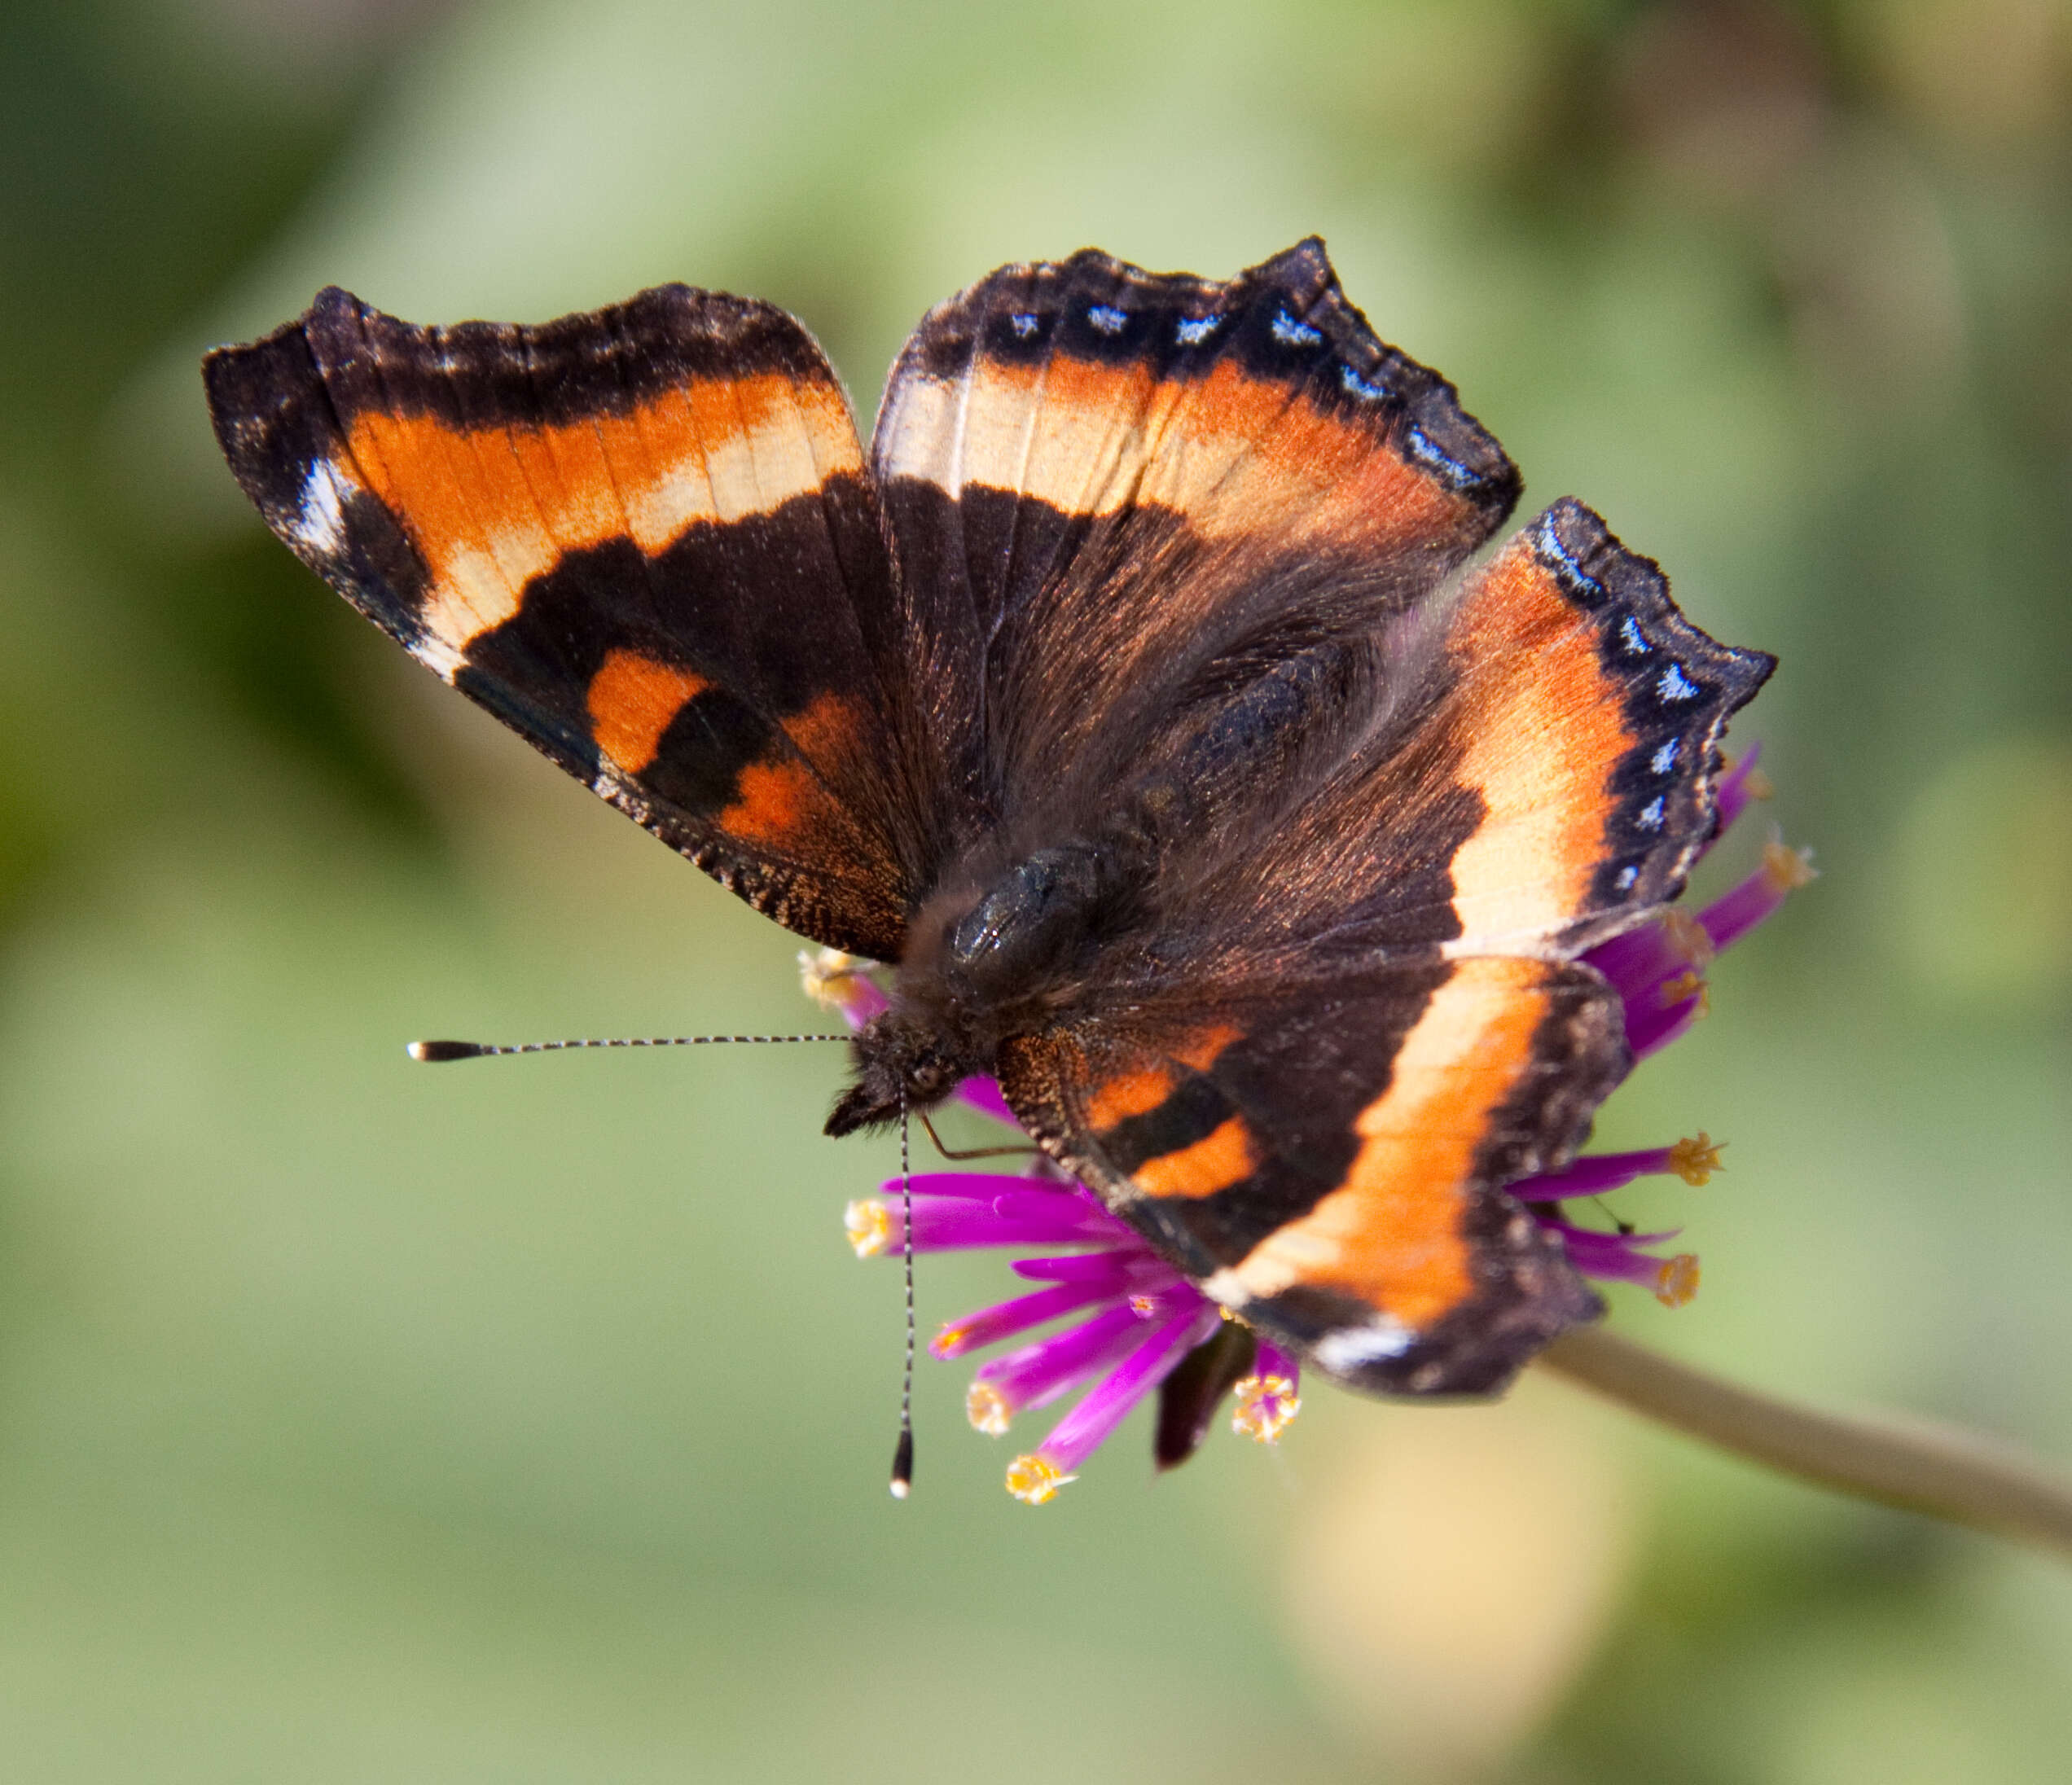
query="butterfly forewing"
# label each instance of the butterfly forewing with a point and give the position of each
(1117, 494)
(641, 537)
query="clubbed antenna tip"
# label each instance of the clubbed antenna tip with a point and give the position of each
(446, 1050)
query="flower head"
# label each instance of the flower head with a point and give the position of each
(1123, 1323)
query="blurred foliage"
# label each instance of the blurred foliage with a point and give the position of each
(528, 1422)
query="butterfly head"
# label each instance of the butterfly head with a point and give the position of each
(903, 1061)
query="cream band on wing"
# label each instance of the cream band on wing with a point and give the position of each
(1390, 1235)
(1540, 751)
(1232, 453)
(489, 509)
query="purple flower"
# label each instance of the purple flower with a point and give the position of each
(1121, 1322)
(1129, 1319)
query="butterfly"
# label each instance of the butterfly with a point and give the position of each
(1139, 696)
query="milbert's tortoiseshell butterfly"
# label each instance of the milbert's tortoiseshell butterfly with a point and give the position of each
(1134, 693)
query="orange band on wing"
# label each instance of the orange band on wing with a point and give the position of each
(1225, 1157)
(491, 508)
(772, 801)
(632, 699)
(1390, 1233)
(1232, 453)
(1131, 1093)
(1200, 1049)
(1542, 744)
(782, 802)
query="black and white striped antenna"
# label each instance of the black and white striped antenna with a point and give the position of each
(460, 1050)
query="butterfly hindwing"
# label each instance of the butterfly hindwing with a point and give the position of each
(1588, 712)
(1327, 1159)
(641, 537)
(1535, 770)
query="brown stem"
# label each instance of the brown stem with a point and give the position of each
(1940, 1470)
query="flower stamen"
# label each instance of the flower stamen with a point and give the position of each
(1687, 936)
(837, 981)
(1677, 1280)
(987, 1410)
(1265, 1405)
(1787, 869)
(868, 1223)
(1695, 1158)
(1687, 984)
(1034, 1479)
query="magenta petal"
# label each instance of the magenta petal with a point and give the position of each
(1649, 1031)
(866, 1000)
(1082, 1431)
(1091, 1219)
(989, 1326)
(1131, 1270)
(1040, 1373)
(1732, 915)
(983, 1094)
(1598, 1254)
(1273, 1361)
(1639, 961)
(1074, 1267)
(1592, 1175)
(975, 1186)
(943, 1223)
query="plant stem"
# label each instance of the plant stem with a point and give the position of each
(1940, 1469)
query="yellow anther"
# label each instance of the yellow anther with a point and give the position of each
(946, 1343)
(1689, 938)
(987, 1409)
(832, 979)
(1034, 1478)
(1688, 984)
(1696, 1159)
(1677, 1280)
(1759, 786)
(1265, 1405)
(1787, 870)
(1144, 1307)
(869, 1227)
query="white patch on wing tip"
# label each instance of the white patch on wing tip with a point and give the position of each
(440, 658)
(1227, 1287)
(1349, 1348)
(319, 522)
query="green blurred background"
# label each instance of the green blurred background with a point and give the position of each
(528, 1422)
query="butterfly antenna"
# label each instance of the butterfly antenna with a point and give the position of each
(455, 1050)
(902, 1453)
